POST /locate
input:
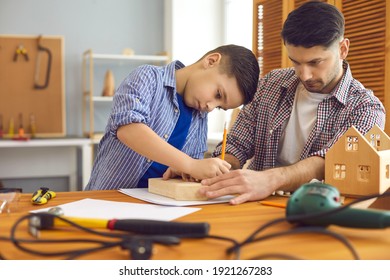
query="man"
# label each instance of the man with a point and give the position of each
(298, 113)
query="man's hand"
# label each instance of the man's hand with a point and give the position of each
(248, 185)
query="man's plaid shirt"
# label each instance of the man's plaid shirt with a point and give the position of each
(258, 128)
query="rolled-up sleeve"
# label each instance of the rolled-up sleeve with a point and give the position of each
(132, 99)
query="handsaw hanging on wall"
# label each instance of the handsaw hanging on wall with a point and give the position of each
(41, 50)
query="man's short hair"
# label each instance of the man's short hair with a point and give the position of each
(313, 24)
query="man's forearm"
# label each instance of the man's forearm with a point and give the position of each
(301, 172)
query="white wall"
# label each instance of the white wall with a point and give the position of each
(238, 22)
(194, 27)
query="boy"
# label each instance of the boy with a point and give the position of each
(159, 119)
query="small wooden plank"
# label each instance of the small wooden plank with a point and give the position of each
(176, 189)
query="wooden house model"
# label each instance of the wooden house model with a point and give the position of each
(359, 165)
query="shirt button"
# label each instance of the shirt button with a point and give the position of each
(137, 99)
(166, 136)
(148, 160)
(176, 110)
(271, 131)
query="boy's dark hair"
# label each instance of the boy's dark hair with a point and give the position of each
(241, 63)
(313, 24)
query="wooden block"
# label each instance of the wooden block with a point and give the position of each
(176, 189)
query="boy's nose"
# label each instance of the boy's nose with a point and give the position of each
(211, 106)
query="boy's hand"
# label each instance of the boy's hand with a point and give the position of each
(172, 173)
(208, 168)
(200, 169)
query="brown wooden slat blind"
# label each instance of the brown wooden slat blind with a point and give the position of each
(365, 28)
(268, 44)
(298, 3)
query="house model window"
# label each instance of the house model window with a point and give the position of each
(375, 140)
(339, 171)
(352, 143)
(364, 172)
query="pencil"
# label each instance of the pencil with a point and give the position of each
(275, 204)
(224, 142)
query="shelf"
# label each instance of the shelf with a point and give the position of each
(41, 142)
(91, 101)
(102, 98)
(118, 57)
(96, 138)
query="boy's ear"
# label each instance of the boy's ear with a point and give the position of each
(212, 60)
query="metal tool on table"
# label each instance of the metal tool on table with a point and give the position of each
(47, 220)
(9, 198)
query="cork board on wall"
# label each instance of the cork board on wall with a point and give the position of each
(32, 85)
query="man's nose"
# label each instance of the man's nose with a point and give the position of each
(305, 73)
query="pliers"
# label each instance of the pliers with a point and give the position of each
(21, 50)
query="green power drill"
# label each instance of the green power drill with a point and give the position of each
(319, 198)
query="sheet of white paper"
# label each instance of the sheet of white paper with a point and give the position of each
(104, 209)
(143, 194)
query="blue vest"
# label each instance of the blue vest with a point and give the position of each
(177, 139)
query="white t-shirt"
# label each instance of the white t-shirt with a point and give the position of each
(298, 127)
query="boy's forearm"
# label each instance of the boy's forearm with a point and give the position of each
(143, 140)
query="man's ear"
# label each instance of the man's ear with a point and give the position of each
(344, 48)
(212, 60)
